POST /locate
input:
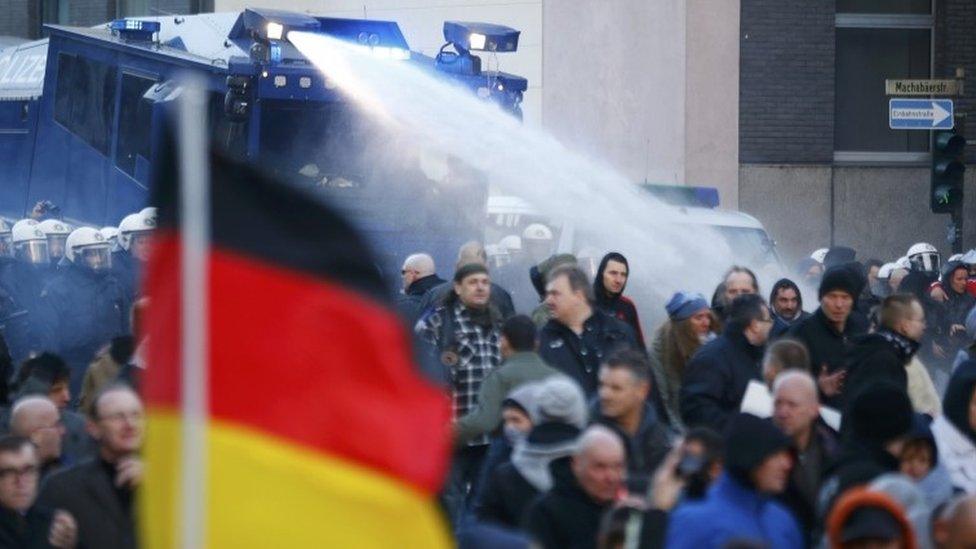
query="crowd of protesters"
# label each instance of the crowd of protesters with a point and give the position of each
(71, 421)
(738, 422)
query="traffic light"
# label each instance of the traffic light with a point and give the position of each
(948, 170)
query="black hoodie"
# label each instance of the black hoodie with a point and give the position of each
(958, 395)
(616, 305)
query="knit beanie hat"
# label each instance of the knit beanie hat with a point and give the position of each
(879, 413)
(560, 399)
(840, 278)
(465, 271)
(838, 255)
(685, 304)
(749, 440)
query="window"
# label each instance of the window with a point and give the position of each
(878, 40)
(135, 119)
(84, 99)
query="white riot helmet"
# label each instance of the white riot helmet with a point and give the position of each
(86, 247)
(924, 257)
(903, 263)
(29, 243)
(511, 243)
(820, 255)
(5, 240)
(884, 272)
(537, 231)
(22, 222)
(969, 258)
(111, 234)
(149, 212)
(956, 257)
(57, 232)
(132, 225)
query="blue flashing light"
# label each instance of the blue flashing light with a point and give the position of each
(707, 196)
(481, 36)
(135, 29)
(271, 25)
(275, 53)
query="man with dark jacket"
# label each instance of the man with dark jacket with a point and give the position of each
(419, 275)
(578, 337)
(470, 253)
(608, 290)
(796, 411)
(740, 506)
(24, 524)
(100, 493)
(521, 365)
(717, 375)
(883, 355)
(623, 406)
(829, 333)
(585, 486)
(787, 305)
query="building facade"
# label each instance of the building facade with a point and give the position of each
(25, 18)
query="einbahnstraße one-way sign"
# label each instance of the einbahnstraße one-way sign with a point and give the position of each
(920, 114)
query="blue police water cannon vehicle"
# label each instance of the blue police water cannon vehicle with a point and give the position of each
(81, 117)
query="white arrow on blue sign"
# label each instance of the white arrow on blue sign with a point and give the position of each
(920, 114)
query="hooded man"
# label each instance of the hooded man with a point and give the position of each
(787, 305)
(955, 429)
(608, 290)
(862, 515)
(741, 505)
(559, 414)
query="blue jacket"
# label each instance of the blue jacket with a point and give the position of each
(715, 380)
(732, 512)
(127, 271)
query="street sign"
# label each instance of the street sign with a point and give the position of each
(923, 87)
(920, 114)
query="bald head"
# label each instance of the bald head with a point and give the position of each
(472, 252)
(32, 413)
(599, 463)
(415, 267)
(795, 404)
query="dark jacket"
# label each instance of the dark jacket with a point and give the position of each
(801, 500)
(645, 450)
(579, 357)
(20, 291)
(879, 356)
(565, 517)
(732, 512)
(826, 345)
(434, 297)
(128, 271)
(617, 305)
(79, 312)
(716, 378)
(506, 497)
(105, 514)
(408, 303)
(517, 369)
(28, 531)
(857, 462)
(781, 326)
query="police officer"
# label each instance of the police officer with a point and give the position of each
(111, 234)
(133, 250)
(22, 277)
(57, 232)
(84, 306)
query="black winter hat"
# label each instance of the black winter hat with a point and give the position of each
(840, 278)
(749, 440)
(838, 255)
(879, 413)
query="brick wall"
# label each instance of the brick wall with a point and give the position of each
(955, 46)
(786, 81)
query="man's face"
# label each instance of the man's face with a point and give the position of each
(773, 473)
(96, 259)
(837, 305)
(758, 330)
(120, 423)
(620, 393)
(561, 300)
(140, 246)
(958, 280)
(787, 303)
(55, 246)
(474, 290)
(738, 284)
(408, 275)
(60, 394)
(795, 408)
(615, 277)
(913, 325)
(18, 479)
(600, 471)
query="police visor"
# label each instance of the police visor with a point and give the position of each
(33, 251)
(96, 258)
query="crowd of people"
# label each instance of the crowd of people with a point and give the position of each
(71, 421)
(739, 421)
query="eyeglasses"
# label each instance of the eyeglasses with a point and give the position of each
(9, 473)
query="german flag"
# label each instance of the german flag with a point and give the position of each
(318, 432)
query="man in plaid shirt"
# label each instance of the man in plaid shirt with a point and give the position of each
(463, 335)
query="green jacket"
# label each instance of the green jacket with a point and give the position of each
(517, 369)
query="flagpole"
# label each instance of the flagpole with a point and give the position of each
(194, 202)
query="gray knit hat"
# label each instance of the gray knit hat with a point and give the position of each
(560, 399)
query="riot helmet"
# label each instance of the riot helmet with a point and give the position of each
(111, 234)
(6, 248)
(924, 257)
(29, 243)
(819, 255)
(57, 232)
(149, 212)
(87, 248)
(134, 231)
